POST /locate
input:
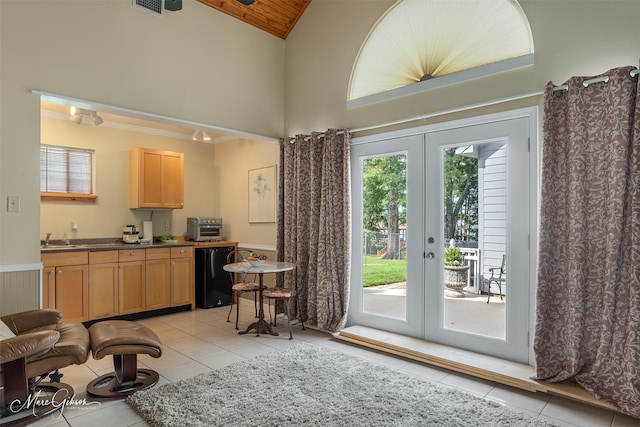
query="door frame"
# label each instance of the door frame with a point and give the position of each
(528, 113)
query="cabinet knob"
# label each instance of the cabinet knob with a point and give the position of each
(59, 271)
(132, 254)
(52, 272)
(182, 251)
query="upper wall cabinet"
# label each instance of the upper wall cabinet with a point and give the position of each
(156, 179)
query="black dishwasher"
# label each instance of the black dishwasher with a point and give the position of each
(213, 284)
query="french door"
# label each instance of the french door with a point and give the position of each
(466, 185)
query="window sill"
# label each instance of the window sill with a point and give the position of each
(68, 197)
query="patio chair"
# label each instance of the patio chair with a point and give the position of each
(499, 276)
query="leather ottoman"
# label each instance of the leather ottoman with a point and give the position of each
(124, 340)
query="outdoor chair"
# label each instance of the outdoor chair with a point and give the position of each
(499, 276)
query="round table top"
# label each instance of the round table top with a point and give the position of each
(265, 267)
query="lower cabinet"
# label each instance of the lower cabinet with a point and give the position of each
(182, 271)
(100, 284)
(158, 281)
(66, 285)
(131, 281)
(103, 284)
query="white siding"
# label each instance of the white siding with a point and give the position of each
(492, 200)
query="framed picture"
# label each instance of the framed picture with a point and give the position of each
(262, 194)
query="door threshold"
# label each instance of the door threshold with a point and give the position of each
(477, 365)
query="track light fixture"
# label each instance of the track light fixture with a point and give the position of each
(77, 115)
(200, 135)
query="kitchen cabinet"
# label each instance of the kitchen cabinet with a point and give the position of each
(131, 281)
(67, 284)
(156, 179)
(158, 280)
(182, 280)
(103, 284)
(91, 285)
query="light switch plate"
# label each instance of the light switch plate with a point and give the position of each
(13, 203)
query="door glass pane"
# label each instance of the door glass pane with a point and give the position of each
(384, 226)
(475, 228)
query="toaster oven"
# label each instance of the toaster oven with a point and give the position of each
(200, 229)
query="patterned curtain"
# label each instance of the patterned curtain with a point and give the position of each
(314, 225)
(588, 296)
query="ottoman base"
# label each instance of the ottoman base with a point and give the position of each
(126, 380)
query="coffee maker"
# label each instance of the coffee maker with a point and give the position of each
(130, 234)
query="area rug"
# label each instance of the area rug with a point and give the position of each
(307, 385)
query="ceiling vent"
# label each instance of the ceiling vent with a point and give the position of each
(153, 6)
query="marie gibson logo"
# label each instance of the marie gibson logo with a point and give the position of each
(58, 401)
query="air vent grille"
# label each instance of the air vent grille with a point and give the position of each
(154, 6)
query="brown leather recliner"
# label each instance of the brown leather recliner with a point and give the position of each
(41, 346)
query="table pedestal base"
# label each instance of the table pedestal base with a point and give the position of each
(261, 326)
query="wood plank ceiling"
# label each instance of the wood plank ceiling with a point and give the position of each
(277, 17)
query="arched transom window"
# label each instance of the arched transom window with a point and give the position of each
(421, 44)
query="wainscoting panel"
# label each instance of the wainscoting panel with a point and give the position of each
(19, 288)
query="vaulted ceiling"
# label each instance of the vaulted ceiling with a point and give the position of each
(277, 17)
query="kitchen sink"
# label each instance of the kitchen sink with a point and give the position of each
(43, 247)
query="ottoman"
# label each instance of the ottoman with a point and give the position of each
(124, 340)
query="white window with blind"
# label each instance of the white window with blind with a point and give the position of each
(66, 174)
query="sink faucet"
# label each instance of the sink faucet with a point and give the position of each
(46, 239)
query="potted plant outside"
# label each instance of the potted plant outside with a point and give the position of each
(455, 272)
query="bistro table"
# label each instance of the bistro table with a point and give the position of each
(266, 267)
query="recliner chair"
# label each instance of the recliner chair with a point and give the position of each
(41, 346)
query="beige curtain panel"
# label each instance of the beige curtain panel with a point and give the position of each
(588, 295)
(314, 225)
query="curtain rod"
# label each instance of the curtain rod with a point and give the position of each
(603, 79)
(632, 73)
(449, 111)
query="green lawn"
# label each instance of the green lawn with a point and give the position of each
(378, 271)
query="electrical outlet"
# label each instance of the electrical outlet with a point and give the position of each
(13, 203)
(167, 225)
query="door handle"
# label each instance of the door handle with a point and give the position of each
(430, 255)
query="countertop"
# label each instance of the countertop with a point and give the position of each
(95, 247)
(114, 245)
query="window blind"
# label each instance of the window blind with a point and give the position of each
(66, 170)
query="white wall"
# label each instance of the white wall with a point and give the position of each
(111, 211)
(570, 37)
(196, 64)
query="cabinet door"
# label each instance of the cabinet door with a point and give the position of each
(131, 287)
(49, 287)
(103, 290)
(182, 286)
(72, 292)
(158, 288)
(173, 181)
(151, 182)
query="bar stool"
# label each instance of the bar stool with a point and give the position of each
(287, 295)
(243, 286)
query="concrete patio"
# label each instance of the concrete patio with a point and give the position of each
(470, 314)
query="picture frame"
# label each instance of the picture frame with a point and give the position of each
(262, 186)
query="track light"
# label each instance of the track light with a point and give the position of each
(200, 135)
(76, 115)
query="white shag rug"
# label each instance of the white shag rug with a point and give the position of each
(307, 385)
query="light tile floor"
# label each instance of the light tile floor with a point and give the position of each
(201, 340)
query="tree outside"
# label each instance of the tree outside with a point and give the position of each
(385, 200)
(384, 210)
(460, 197)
